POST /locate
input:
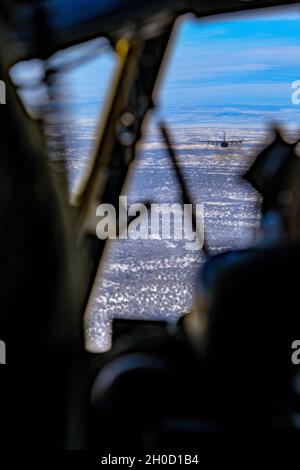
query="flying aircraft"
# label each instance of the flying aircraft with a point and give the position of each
(222, 143)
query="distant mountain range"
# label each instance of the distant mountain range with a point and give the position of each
(232, 116)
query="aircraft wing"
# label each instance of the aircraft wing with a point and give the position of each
(219, 142)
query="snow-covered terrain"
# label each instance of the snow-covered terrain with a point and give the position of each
(155, 279)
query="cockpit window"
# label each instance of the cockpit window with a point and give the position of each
(69, 93)
(227, 81)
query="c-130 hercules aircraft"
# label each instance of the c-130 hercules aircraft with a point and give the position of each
(63, 401)
(224, 143)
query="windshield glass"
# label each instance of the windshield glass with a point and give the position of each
(226, 81)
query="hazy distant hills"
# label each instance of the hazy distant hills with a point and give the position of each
(232, 116)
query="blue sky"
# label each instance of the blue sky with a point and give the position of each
(239, 66)
(249, 60)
